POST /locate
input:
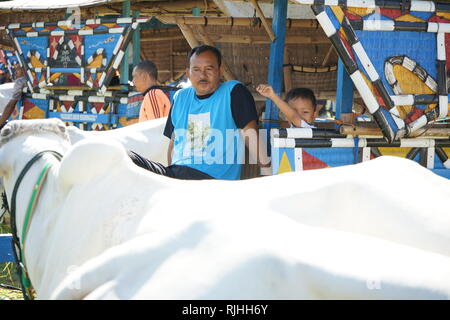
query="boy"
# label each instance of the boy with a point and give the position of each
(299, 108)
(156, 103)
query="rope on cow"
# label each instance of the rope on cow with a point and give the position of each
(4, 207)
(18, 249)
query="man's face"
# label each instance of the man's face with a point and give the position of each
(140, 80)
(204, 72)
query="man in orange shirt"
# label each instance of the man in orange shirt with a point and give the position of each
(156, 103)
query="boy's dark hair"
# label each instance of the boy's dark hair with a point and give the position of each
(303, 93)
(203, 48)
(148, 67)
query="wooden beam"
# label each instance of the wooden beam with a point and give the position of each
(188, 35)
(229, 21)
(246, 39)
(228, 74)
(174, 6)
(221, 5)
(228, 38)
(287, 72)
(327, 56)
(168, 38)
(263, 19)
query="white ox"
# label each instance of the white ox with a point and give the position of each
(6, 91)
(145, 138)
(105, 228)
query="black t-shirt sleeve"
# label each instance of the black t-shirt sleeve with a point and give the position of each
(168, 130)
(243, 106)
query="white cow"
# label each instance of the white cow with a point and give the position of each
(145, 138)
(6, 91)
(105, 228)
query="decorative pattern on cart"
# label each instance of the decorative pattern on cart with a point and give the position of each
(63, 54)
(397, 54)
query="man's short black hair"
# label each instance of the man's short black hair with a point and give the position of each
(203, 48)
(303, 93)
(148, 67)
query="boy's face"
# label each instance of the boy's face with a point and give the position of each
(141, 80)
(304, 107)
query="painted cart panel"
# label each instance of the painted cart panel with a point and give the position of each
(307, 149)
(396, 53)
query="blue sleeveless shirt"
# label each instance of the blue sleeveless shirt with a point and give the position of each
(206, 136)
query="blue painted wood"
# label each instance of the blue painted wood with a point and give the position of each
(6, 250)
(275, 77)
(125, 65)
(344, 91)
(445, 173)
(85, 117)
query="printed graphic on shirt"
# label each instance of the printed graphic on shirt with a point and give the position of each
(199, 127)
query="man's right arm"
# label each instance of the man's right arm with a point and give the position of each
(7, 112)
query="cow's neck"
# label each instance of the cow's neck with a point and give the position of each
(42, 220)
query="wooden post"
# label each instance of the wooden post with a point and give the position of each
(171, 60)
(287, 72)
(263, 20)
(344, 94)
(275, 77)
(125, 66)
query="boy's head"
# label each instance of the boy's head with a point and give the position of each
(304, 102)
(145, 75)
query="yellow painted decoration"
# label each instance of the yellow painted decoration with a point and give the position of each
(369, 83)
(123, 121)
(132, 121)
(97, 63)
(54, 76)
(409, 83)
(396, 152)
(409, 18)
(34, 113)
(447, 151)
(445, 15)
(404, 111)
(285, 166)
(430, 107)
(362, 12)
(36, 63)
(339, 14)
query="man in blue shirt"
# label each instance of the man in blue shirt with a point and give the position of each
(207, 124)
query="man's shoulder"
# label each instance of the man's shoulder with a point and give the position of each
(232, 84)
(183, 92)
